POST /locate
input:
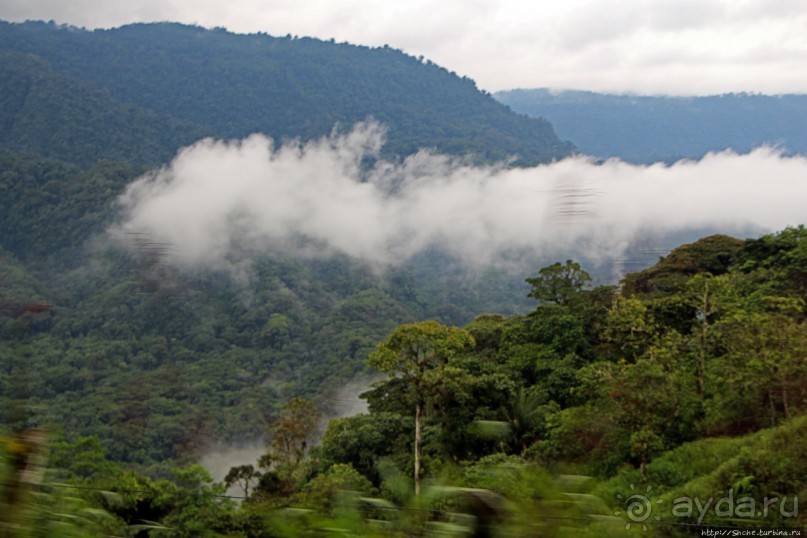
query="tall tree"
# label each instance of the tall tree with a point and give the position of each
(417, 353)
(291, 434)
(763, 370)
(708, 295)
(293, 430)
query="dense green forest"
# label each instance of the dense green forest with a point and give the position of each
(58, 116)
(82, 114)
(646, 129)
(197, 356)
(139, 91)
(498, 408)
(600, 407)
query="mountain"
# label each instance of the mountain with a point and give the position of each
(646, 129)
(157, 361)
(212, 82)
(160, 361)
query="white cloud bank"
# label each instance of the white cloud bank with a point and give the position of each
(219, 201)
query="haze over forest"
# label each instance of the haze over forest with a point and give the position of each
(205, 235)
(647, 129)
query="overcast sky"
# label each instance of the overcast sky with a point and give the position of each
(680, 47)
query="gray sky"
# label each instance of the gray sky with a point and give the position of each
(680, 47)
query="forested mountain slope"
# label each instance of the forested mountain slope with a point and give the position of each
(231, 85)
(59, 116)
(159, 361)
(645, 129)
(598, 409)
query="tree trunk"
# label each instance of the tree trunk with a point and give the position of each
(417, 448)
(783, 367)
(785, 407)
(702, 351)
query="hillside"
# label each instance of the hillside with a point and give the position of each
(646, 129)
(705, 468)
(159, 361)
(62, 117)
(585, 417)
(229, 85)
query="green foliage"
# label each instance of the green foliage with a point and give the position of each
(323, 491)
(83, 459)
(63, 117)
(759, 379)
(630, 328)
(50, 208)
(234, 85)
(155, 375)
(526, 416)
(559, 284)
(486, 330)
(713, 254)
(413, 350)
(765, 465)
(363, 440)
(777, 262)
(30, 507)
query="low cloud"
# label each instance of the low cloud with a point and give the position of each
(220, 202)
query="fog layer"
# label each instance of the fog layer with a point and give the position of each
(222, 200)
